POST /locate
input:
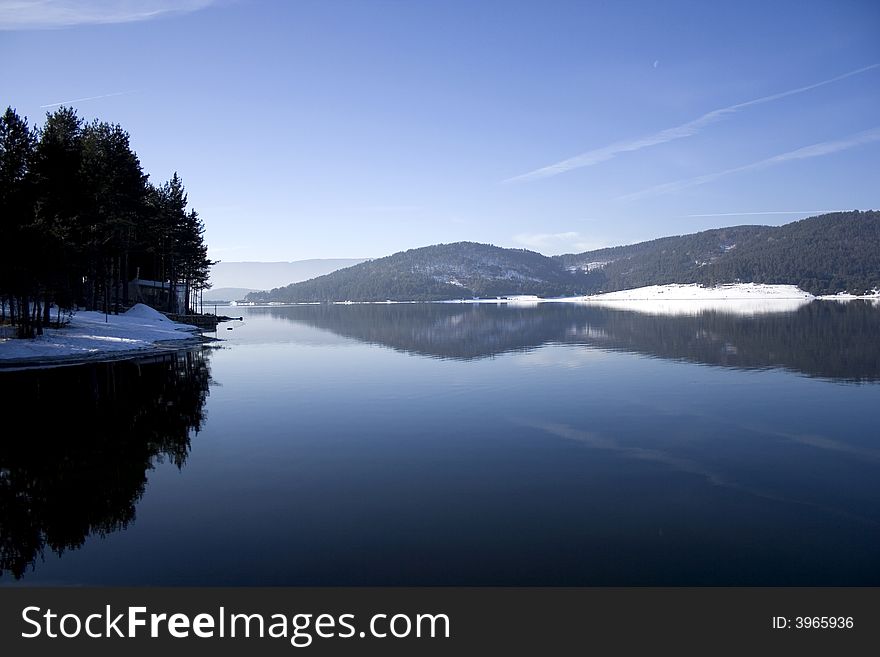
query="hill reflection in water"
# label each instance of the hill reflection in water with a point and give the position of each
(821, 339)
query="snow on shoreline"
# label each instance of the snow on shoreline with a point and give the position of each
(92, 334)
(846, 296)
(720, 297)
(693, 299)
(676, 299)
(695, 292)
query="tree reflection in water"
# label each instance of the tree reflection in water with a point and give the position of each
(76, 464)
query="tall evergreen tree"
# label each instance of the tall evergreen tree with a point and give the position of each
(57, 173)
(17, 144)
(115, 189)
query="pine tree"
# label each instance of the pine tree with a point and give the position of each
(115, 190)
(57, 171)
(17, 143)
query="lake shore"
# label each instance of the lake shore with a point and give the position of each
(669, 292)
(94, 336)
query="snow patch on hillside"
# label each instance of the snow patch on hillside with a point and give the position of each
(590, 266)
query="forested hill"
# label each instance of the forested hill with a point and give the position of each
(666, 256)
(444, 271)
(823, 255)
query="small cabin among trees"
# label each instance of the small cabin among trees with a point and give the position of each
(157, 294)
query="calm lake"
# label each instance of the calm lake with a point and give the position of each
(454, 444)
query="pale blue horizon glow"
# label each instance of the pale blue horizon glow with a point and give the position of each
(341, 128)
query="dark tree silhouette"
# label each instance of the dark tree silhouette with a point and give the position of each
(55, 491)
(79, 220)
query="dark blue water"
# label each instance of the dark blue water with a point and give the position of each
(453, 444)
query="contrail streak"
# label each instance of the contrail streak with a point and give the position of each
(807, 152)
(669, 134)
(82, 100)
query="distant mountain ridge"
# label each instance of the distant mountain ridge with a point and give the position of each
(266, 275)
(226, 294)
(837, 252)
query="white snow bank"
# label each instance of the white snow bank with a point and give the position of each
(678, 299)
(524, 300)
(845, 296)
(680, 292)
(144, 311)
(92, 334)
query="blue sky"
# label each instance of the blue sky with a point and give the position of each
(333, 128)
